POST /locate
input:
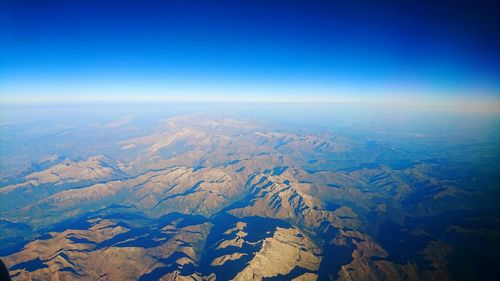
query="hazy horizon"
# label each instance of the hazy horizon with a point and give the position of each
(421, 53)
(249, 140)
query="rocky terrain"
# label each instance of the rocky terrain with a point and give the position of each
(212, 198)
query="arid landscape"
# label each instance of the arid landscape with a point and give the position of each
(208, 197)
(267, 140)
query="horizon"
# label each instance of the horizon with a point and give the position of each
(418, 53)
(464, 105)
(249, 140)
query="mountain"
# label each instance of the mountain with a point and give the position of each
(224, 198)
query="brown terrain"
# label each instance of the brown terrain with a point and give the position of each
(227, 199)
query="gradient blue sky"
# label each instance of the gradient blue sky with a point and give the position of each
(250, 50)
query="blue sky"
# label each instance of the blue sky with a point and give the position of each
(249, 50)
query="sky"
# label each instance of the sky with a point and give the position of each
(276, 51)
